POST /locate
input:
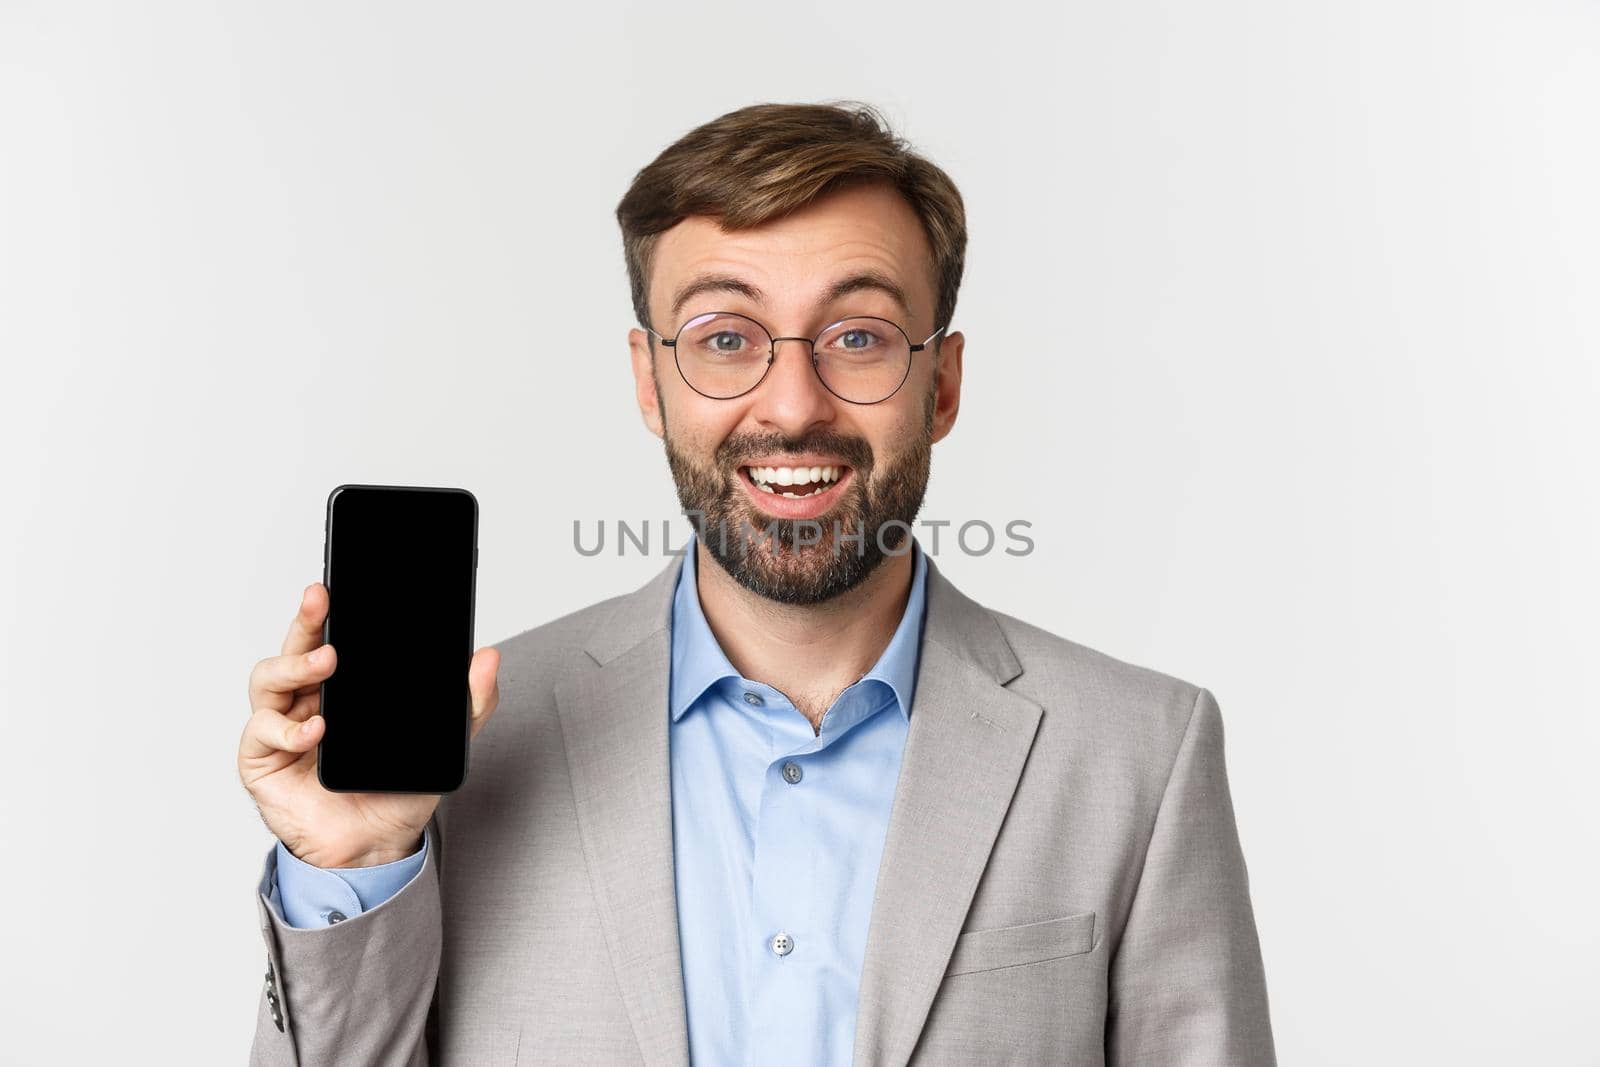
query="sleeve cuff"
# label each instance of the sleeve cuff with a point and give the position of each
(308, 896)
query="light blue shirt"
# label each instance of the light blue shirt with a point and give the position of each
(777, 834)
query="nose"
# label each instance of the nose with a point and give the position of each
(792, 399)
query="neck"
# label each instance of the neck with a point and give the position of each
(809, 652)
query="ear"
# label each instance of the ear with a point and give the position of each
(947, 385)
(644, 380)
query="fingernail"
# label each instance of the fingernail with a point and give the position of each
(305, 727)
(314, 656)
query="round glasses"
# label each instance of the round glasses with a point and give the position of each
(862, 360)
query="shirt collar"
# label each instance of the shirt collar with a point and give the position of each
(698, 661)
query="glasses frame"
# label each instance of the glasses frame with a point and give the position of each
(772, 353)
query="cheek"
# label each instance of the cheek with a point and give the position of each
(896, 436)
(698, 425)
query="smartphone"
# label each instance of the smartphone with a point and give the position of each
(400, 563)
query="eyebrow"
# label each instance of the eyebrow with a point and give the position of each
(860, 281)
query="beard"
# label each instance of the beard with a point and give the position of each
(785, 560)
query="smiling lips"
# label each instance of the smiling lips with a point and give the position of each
(796, 489)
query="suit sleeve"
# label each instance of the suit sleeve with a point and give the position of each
(1187, 984)
(357, 991)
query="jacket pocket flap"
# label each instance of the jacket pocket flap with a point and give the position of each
(1008, 946)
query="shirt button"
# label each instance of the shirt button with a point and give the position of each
(782, 945)
(753, 699)
(335, 917)
(792, 772)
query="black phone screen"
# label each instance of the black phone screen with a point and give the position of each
(400, 565)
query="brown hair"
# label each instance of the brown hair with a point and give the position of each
(765, 160)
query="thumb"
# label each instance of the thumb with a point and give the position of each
(484, 682)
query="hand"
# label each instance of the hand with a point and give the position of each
(278, 759)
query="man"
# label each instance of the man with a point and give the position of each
(797, 800)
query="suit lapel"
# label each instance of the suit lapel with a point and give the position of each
(614, 723)
(967, 742)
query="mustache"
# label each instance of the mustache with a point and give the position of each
(736, 447)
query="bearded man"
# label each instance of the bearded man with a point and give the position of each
(798, 799)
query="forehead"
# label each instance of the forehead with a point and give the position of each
(796, 258)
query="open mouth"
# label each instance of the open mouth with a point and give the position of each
(795, 481)
(795, 492)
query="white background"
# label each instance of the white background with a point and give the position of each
(1282, 331)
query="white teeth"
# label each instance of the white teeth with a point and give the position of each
(764, 476)
(765, 488)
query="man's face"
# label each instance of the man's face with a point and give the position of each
(879, 452)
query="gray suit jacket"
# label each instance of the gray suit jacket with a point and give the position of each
(1061, 883)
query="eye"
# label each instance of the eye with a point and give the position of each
(856, 343)
(722, 339)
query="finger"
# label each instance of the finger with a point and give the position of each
(275, 680)
(484, 681)
(305, 632)
(269, 732)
